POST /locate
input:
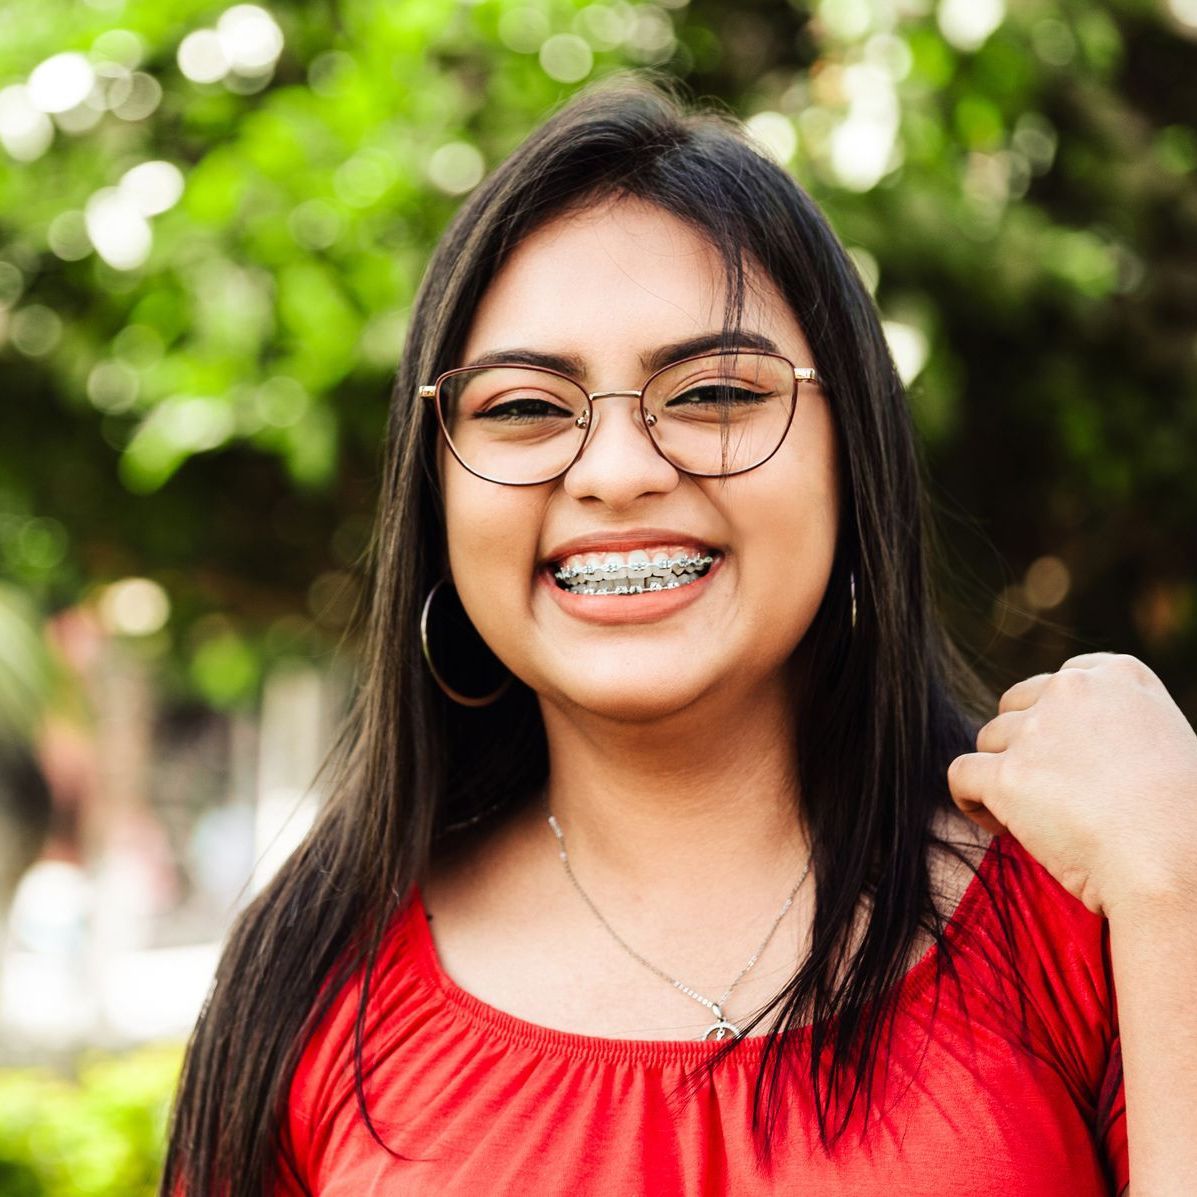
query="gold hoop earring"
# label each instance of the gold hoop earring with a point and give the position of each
(464, 700)
(852, 587)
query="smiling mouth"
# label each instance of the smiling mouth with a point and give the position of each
(636, 573)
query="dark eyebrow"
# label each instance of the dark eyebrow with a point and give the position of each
(653, 359)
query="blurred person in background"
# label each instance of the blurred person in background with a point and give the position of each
(647, 866)
(25, 808)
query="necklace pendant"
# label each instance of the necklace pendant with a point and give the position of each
(720, 1028)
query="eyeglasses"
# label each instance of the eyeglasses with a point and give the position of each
(711, 416)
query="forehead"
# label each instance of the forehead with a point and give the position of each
(613, 278)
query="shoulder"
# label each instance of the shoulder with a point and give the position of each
(323, 1081)
(1022, 938)
(1045, 910)
(398, 1004)
(1007, 875)
(1032, 947)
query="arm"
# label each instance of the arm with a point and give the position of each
(1094, 770)
(1153, 945)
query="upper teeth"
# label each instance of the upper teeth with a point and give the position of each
(636, 564)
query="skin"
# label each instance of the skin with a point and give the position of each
(671, 745)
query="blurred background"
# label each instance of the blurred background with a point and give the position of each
(212, 223)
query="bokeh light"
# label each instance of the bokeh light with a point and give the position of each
(67, 236)
(120, 46)
(651, 38)
(847, 20)
(967, 24)
(566, 58)
(315, 224)
(1011, 611)
(523, 30)
(909, 346)
(456, 168)
(281, 401)
(134, 97)
(363, 179)
(202, 57)
(866, 265)
(250, 38)
(863, 145)
(12, 283)
(25, 130)
(1185, 11)
(775, 134)
(134, 607)
(603, 26)
(35, 329)
(152, 187)
(120, 233)
(61, 82)
(113, 386)
(1047, 582)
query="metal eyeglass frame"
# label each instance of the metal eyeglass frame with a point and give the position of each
(585, 421)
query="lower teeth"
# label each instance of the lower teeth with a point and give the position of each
(636, 587)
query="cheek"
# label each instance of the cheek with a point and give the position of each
(788, 534)
(492, 534)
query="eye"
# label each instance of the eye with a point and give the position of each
(523, 411)
(717, 393)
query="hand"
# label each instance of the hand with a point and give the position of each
(1093, 769)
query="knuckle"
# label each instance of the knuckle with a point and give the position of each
(1008, 772)
(1134, 668)
(1069, 680)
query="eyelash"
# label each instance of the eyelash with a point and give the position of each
(506, 410)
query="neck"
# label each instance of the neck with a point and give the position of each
(665, 810)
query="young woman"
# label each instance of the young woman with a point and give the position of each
(644, 868)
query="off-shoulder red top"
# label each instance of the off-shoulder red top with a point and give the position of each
(477, 1101)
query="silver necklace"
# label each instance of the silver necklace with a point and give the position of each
(722, 1027)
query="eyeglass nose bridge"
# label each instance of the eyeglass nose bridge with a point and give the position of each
(583, 421)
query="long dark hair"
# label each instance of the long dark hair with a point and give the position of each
(889, 703)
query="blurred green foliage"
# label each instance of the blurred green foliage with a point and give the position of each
(207, 410)
(101, 1135)
(27, 673)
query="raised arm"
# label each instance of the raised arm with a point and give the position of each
(1094, 770)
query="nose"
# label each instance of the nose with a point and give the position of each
(619, 461)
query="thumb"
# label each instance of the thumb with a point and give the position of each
(967, 775)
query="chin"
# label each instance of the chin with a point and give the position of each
(649, 700)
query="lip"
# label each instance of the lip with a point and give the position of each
(624, 609)
(621, 542)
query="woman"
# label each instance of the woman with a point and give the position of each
(641, 871)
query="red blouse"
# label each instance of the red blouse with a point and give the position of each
(482, 1102)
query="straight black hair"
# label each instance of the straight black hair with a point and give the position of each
(886, 705)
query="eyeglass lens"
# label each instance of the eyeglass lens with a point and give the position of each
(713, 415)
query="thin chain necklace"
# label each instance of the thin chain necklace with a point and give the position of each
(721, 1028)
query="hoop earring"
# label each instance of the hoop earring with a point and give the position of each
(852, 587)
(464, 700)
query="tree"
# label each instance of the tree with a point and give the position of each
(212, 223)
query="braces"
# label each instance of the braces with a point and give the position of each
(594, 571)
(633, 589)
